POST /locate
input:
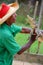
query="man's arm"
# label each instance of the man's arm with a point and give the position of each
(32, 39)
(25, 30)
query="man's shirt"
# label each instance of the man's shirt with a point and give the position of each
(8, 45)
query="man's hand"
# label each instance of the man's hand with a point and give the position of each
(25, 30)
(33, 36)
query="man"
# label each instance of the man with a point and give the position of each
(8, 30)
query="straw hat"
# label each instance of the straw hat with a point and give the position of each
(7, 10)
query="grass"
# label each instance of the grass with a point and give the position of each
(22, 38)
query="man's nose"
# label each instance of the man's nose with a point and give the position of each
(14, 15)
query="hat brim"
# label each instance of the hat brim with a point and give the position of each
(10, 12)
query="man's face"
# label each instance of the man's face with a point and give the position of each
(12, 19)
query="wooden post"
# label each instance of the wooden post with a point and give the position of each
(35, 11)
(40, 15)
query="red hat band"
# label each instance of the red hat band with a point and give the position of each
(4, 10)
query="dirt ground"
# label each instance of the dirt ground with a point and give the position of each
(24, 63)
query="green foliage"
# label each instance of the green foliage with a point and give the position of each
(7, 1)
(31, 12)
(20, 19)
(1, 1)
